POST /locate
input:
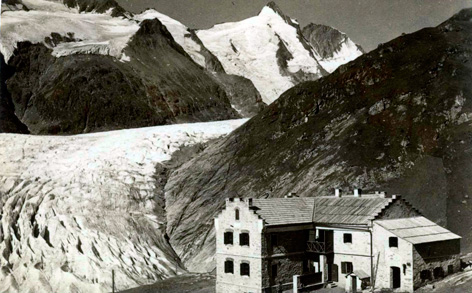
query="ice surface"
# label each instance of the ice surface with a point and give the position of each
(74, 208)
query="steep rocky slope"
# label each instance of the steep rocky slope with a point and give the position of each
(243, 95)
(8, 120)
(74, 208)
(396, 119)
(332, 47)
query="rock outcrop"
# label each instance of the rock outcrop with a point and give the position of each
(332, 47)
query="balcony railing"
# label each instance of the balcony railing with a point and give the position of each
(319, 246)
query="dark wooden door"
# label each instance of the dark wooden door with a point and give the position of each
(395, 277)
(332, 272)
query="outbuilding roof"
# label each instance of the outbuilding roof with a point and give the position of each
(323, 209)
(417, 230)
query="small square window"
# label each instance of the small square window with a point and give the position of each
(393, 242)
(347, 237)
(346, 267)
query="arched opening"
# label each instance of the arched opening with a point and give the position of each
(236, 214)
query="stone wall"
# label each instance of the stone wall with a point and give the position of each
(442, 256)
(386, 257)
(398, 209)
(250, 223)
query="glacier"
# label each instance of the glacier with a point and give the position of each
(74, 208)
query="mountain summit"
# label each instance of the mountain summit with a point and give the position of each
(274, 55)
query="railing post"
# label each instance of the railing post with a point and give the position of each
(295, 283)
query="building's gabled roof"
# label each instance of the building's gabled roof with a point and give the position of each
(284, 211)
(321, 210)
(417, 230)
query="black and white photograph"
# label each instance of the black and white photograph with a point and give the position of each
(236, 146)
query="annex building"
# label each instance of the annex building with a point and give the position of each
(350, 241)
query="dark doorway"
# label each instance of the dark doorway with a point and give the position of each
(395, 277)
(332, 272)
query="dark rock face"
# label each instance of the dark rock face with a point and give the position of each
(98, 6)
(9, 123)
(86, 93)
(325, 39)
(397, 119)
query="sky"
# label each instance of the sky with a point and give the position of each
(366, 22)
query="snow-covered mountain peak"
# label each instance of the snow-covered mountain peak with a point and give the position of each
(268, 49)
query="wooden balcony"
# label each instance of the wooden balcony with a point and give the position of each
(320, 246)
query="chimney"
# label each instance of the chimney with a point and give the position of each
(357, 192)
(249, 202)
(291, 194)
(337, 192)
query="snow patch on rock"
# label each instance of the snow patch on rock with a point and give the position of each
(179, 32)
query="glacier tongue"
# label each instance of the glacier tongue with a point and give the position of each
(74, 208)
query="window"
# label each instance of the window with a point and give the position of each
(244, 269)
(346, 267)
(347, 237)
(236, 214)
(274, 271)
(393, 242)
(438, 272)
(425, 275)
(450, 269)
(244, 239)
(228, 237)
(273, 240)
(229, 266)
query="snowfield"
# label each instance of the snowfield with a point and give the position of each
(74, 208)
(99, 33)
(249, 48)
